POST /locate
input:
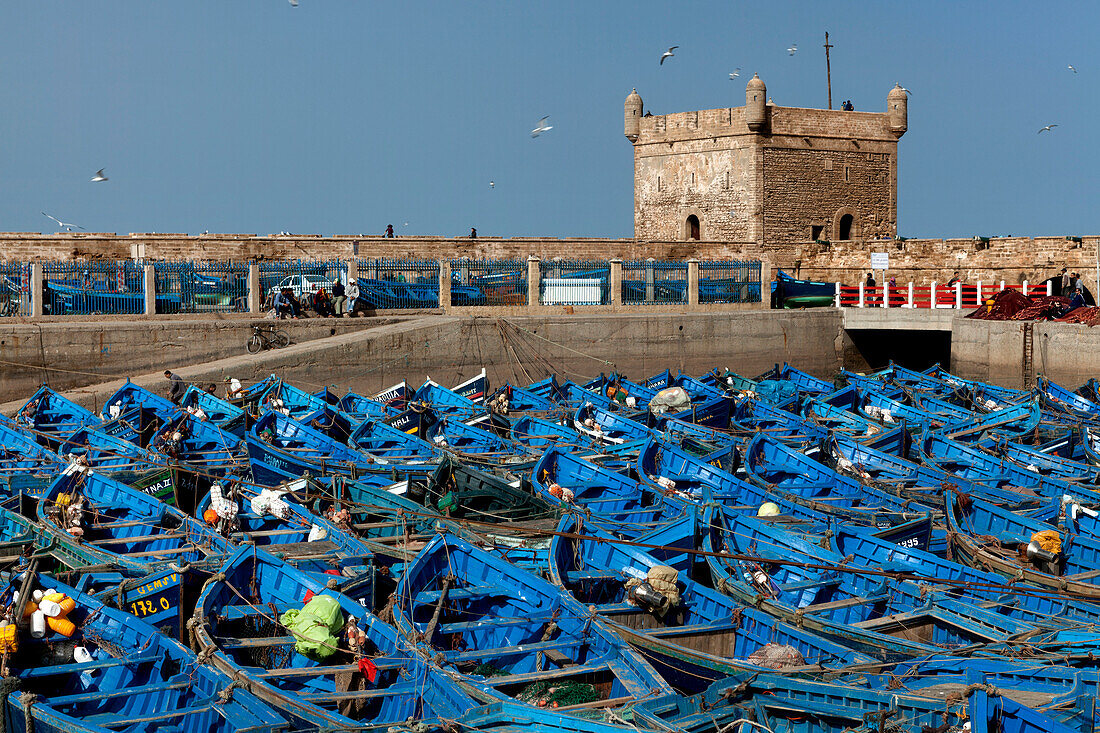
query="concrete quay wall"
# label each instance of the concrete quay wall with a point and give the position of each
(78, 353)
(452, 348)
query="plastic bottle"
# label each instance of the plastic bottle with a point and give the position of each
(49, 607)
(38, 624)
(61, 625)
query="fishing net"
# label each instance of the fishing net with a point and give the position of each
(777, 656)
(1089, 315)
(1002, 306)
(488, 670)
(561, 695)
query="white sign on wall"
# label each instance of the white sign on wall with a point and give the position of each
(880, 260)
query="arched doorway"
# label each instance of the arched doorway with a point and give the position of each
(844, 228)
(693, 227)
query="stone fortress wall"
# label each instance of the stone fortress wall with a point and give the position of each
(1011, 259)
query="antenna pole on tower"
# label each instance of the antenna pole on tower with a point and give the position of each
(828, 69)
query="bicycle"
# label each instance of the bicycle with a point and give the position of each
(266, 337)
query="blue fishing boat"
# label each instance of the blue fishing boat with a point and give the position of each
(868, 611)
(121, 526)
(245, 622)
(206, 448)
(772, 702)
(692, 635)
(612, 500)
(114, 672)
(386, 443)
(608, 427)
(225, 415)
(51, 416)
(131, 395)
(21, 454)
(1033, 605)
(513, 634)
(538, 433)
(1057, 398)
(971, 463)
(1025, 548)
(793, 293)
(806, 383)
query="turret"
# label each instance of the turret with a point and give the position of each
(756, 107)
(897, 110)
(632, 116)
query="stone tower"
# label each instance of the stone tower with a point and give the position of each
(766, 174)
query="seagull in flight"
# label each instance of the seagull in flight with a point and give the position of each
(293, 3)
(735, 73)
(1072, 68)
(99, 177)
(542, 127)
(792, 49)
(1047, 128)
(64, 225)
(492, 185)
(667, 54)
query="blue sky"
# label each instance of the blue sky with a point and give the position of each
(342, 116)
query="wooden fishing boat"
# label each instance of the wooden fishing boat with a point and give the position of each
(282, 448)
(773, 702)
(512, 634)
(293, 533)
(1033, 605)
(693, 635)
(131, 395)
(240, 624)
(464, 492)
(971, 463)
(608, 427)
(207, 449)
(117, 673)
(121, 526)
(615, 502)
(540, 434)
(770, 464)
(803, 583)
(794, 293)
(51, 416)
(225, 415)
(973, 523)
(806, 383)
(20, 453)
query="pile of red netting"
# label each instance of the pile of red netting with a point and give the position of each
(1011, 305)
(1089, 315)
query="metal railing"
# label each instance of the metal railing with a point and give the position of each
(650, 282)
(398, 282)
(729, 282)
(574, 282)
(15, 289)
(936, 295)
(488, 282)
(204, 286)
(98, 287)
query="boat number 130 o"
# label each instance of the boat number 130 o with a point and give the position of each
(145, 607)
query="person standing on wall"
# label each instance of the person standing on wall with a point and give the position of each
(954, 279)
(869, 288)
(1065, 285)
(389, 231)
(473, 233)
(338, 297)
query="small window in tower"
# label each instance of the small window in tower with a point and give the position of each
(693, 227)
(828, 164)
(693, 179)
(727, 180)
(845, 229)
(816, 230)
(847, 177)
(658, 183)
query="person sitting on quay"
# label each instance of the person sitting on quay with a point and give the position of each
(338, 298)
(321, 304)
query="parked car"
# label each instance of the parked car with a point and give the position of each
(300, 285)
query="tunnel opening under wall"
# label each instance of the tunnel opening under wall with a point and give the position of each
(873, 349)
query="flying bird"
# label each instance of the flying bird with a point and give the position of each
(1047, 128)
(1072, 68)
(667, 54)
(293, 3)
(792, 49)
(99, 177)
(492, 185)
(64, 225)
(542, 127)
(736, 73)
